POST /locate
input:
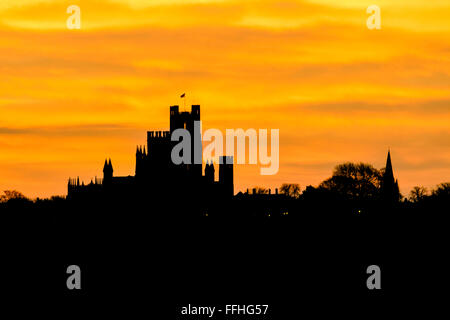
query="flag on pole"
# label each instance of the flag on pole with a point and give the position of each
(183, 95)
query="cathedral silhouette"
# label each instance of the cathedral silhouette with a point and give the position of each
(187, 188)
(156, 175)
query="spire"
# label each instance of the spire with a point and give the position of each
(391, 192)
(388, 171)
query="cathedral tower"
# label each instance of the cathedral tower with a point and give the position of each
(107, 173)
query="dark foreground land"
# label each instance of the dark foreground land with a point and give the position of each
(293, 255)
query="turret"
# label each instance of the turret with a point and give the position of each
(195, 112)
(107, 172)
(209, 172)
(226, 175)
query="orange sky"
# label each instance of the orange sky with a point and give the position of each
(336, 90)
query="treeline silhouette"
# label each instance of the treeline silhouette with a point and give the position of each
(353, 190)
(258, 240)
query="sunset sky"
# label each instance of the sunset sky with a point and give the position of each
(336, 90)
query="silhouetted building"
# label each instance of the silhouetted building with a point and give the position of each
(107, 173)
(156, 175)
(226, 174)
(209, 172)
(389, 188)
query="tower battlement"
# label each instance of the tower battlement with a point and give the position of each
(157, 134)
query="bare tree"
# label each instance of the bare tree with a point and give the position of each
(260, 190)
(442, 190)
(417, 194)
(11, 195)
(354, 180)
(291, 190)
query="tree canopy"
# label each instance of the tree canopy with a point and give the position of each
(354, 181)
(11, 195)
(291, 190)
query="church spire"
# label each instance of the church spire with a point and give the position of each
(388, 170)
(390, 190)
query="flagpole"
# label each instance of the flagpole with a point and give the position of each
(183, 96)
